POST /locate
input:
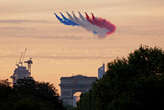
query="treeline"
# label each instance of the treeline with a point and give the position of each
(132, 83)
(29, 95)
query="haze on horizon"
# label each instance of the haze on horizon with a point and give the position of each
(58, 50)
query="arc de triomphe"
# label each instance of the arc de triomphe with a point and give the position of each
(70, 85)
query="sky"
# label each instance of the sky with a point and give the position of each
(59, 50)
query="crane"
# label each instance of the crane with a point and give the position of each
(22, 57)
(21, 60)
(29, 62)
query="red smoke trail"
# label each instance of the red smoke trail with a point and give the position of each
(101, 23)
(88, 18)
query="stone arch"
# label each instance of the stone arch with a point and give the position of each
(71, 85)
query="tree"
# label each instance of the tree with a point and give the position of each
(29, 94)
(135, 82)
(5, 89)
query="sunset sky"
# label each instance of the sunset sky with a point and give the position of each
(59, 50)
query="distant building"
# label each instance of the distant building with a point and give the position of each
(70, 85)
(101, 71)
(21, 71)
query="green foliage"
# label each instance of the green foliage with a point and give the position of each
(132, 83)
(29, 95)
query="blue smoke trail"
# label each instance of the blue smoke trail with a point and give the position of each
(68, 20)
(65, 21)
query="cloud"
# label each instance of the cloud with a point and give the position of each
(17, 28)
(141, 29)
(67, 37)
(75, 57)
(63, 57)
(16, 21)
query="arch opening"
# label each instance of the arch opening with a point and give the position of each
(76, 98)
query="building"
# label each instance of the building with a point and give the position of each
(71, 85)
(101, 71)
(21, 71)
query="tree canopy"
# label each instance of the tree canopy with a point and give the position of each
(28, 94)
(132, 83)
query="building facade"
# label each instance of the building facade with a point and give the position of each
(70, 85)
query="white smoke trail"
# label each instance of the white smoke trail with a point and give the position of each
(83, 22)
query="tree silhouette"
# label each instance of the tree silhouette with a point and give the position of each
(29, 94)
(132, 83)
